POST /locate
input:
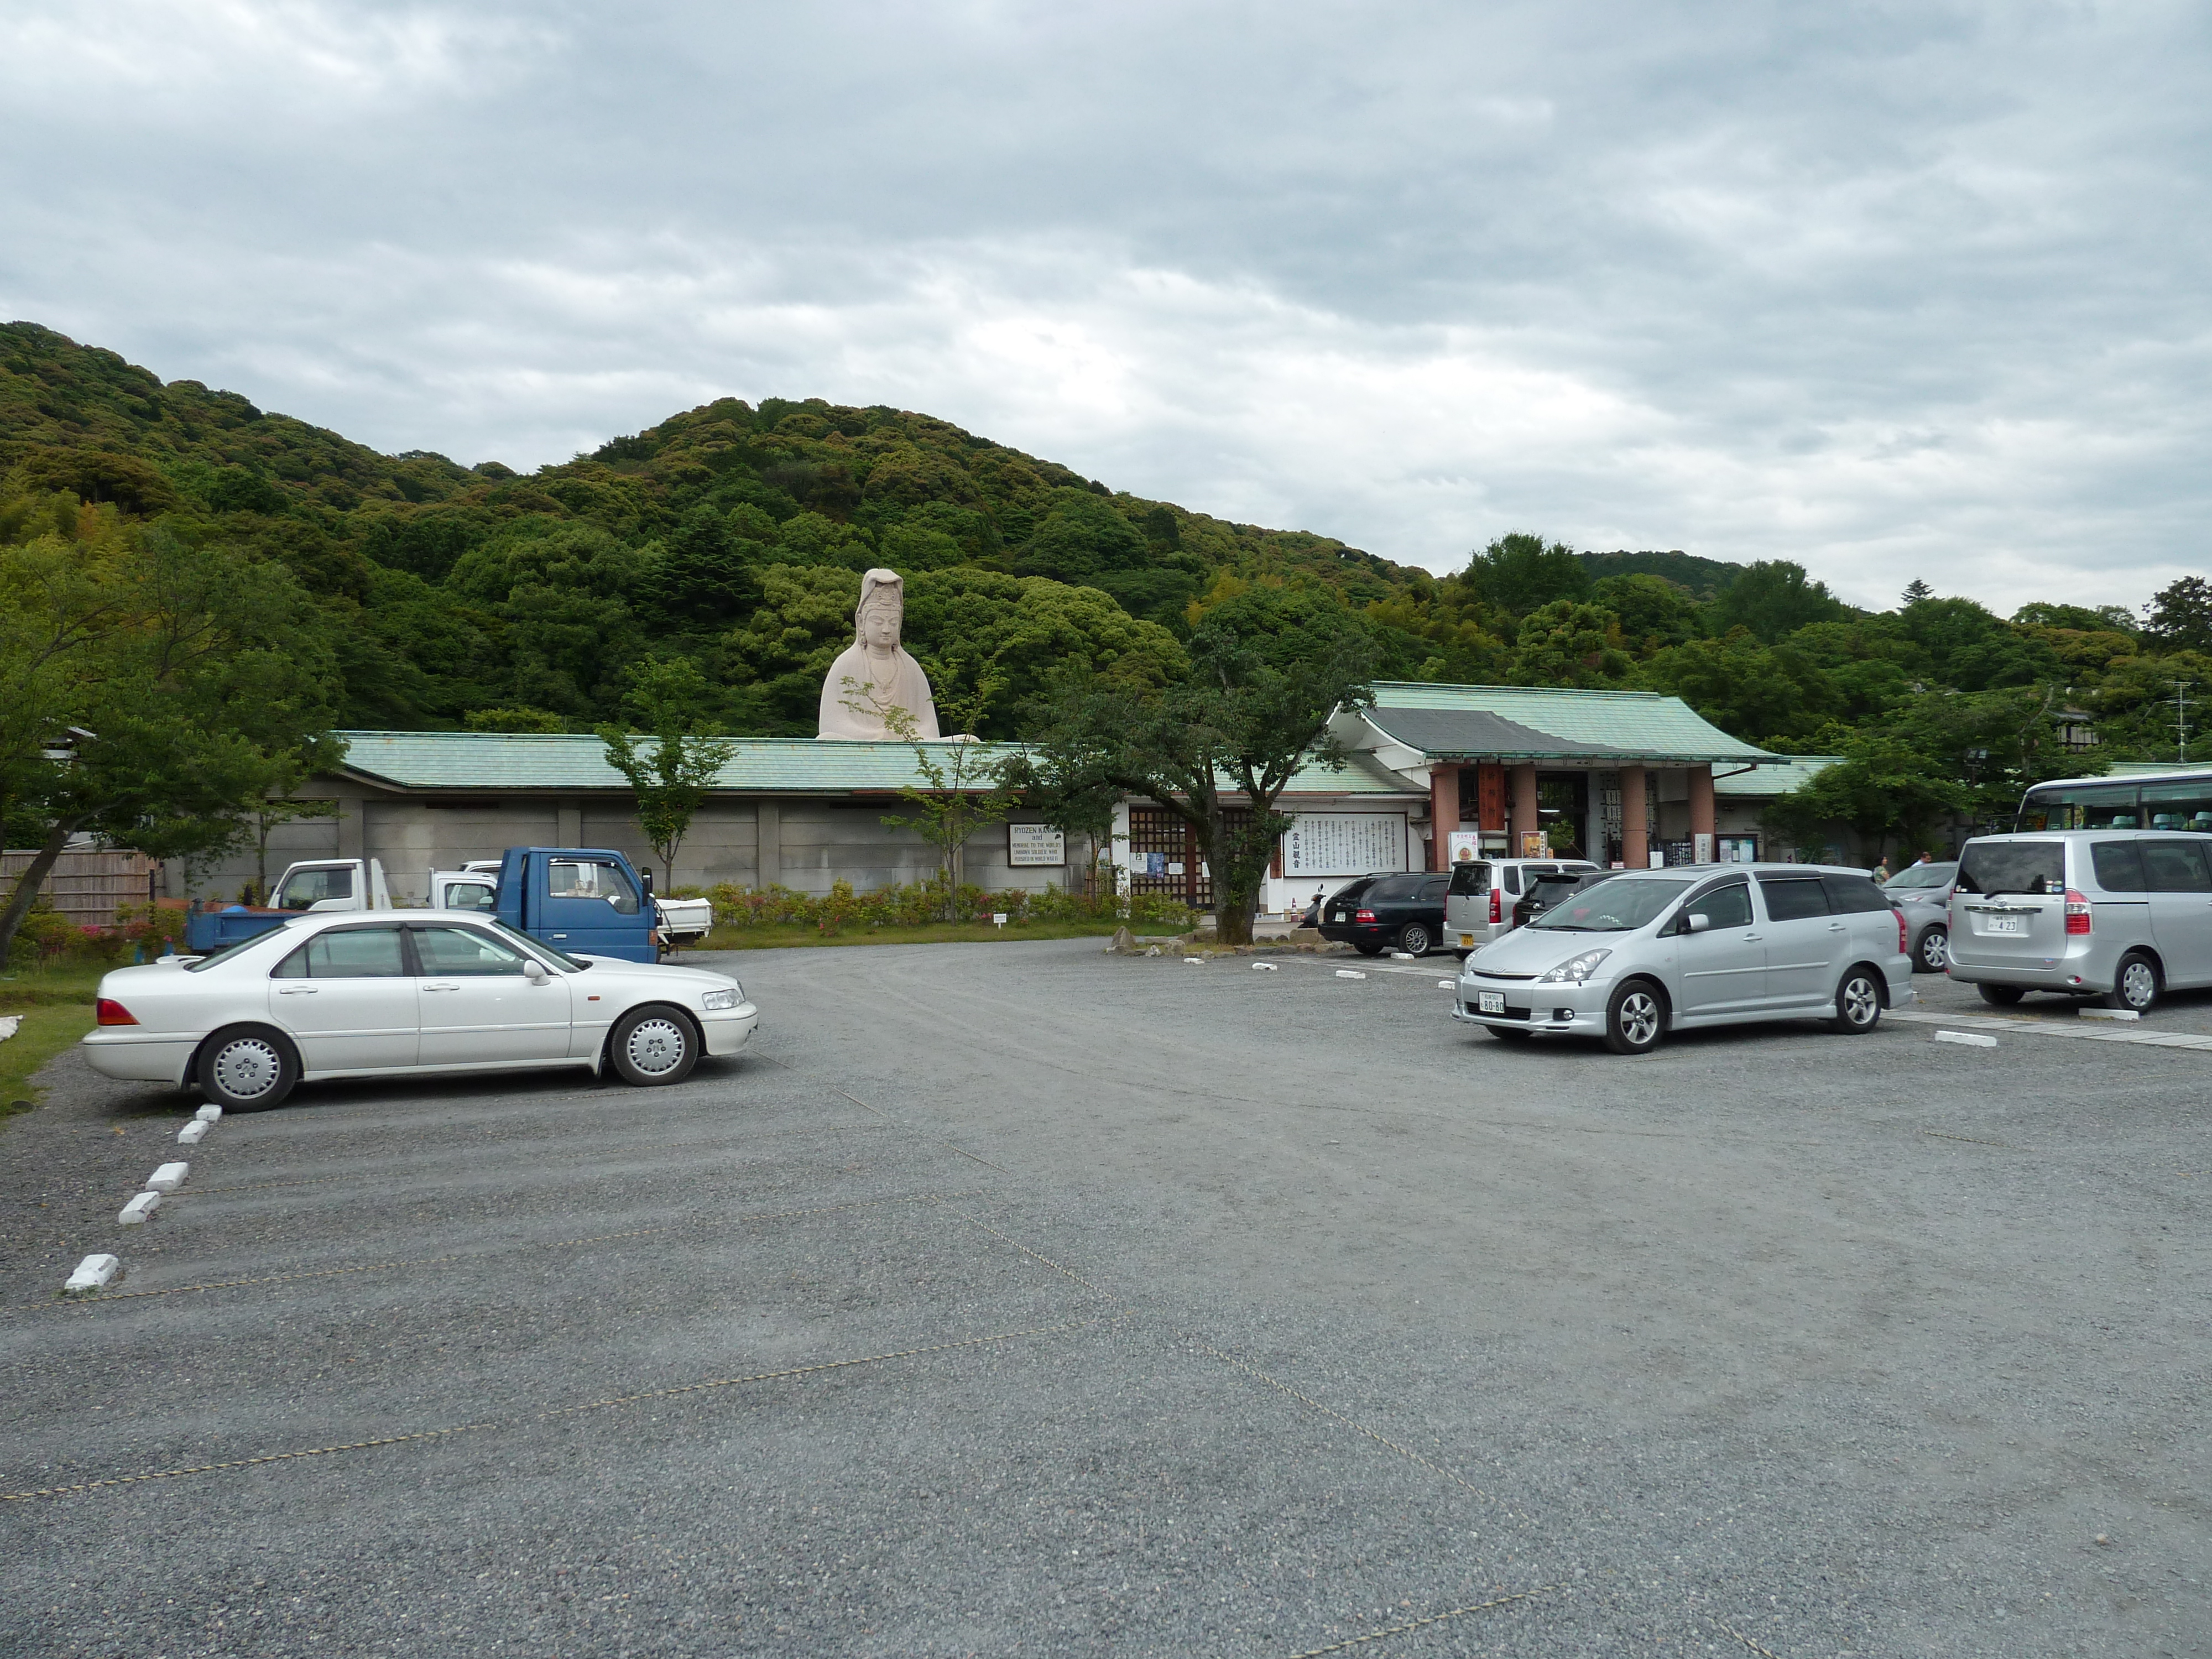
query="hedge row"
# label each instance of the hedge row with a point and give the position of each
(920, 904)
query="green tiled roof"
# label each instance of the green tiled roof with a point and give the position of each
(1795, 773)
(1645, 724)
(484, 762)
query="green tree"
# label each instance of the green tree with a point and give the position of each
(1772, 597)
(965, 788)
(1519, 573)
(1267, 668)
(2180, 616)
(1882, 788)
(1769, 695)
(671, 778)
(1569, 643)
(150, 692)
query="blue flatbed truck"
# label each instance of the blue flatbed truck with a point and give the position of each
(585, 901)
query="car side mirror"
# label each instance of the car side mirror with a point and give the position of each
(1697, 922)
(534, 971)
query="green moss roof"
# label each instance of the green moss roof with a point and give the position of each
(490, 761)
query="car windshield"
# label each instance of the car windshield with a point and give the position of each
(2013, 866)
(1921, 875)
(202, 964)
(536, 946)
(1619, 904)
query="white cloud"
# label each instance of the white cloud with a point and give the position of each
(1894, 295)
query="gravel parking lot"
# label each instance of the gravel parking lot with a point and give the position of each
(1016, 1298)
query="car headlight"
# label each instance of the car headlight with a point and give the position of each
(715, 1000)
(1574, 972)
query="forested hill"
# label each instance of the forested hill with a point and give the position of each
(733, 535)
(731, 532)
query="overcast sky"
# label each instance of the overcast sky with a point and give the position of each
(1894, 290)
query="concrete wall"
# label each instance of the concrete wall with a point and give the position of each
(812, 843)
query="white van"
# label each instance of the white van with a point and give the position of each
(1479, 906)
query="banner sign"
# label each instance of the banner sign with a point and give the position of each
(1344, 844)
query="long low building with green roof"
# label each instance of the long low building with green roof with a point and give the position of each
(1619, 776)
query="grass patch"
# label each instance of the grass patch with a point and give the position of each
(55, 1005)
(936, 932)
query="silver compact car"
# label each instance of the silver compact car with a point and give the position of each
(1649, 951)
(2123, 915)
(1923, 892)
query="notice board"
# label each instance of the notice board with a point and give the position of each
(1344, 844)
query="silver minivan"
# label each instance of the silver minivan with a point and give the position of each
(2120, 914)
(1479, 904)
(1649, 951)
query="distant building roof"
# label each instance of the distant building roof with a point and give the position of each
(487, 761)
(1413, 723)
(1792, 772)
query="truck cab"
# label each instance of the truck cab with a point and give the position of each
(315, 884)
(584, 901)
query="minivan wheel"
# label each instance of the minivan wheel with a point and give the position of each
(247, 1069)
(2135, 985)
(1858, 1003)
(1932, 953)
(1414, 939)
(2001, 996)
(1635, 1019)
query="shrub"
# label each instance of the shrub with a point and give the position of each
(917, 904)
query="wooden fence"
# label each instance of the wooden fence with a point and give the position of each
(87, 887)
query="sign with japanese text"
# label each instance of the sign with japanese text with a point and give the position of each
(1344, 844)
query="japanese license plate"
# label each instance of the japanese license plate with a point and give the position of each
(1467, 939)
(1490, 1002)
(2005, 925)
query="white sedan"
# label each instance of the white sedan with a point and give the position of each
(408, 991)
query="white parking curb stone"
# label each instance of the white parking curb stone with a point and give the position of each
(1350, 973)
(1447, 985)
(139, 1209)
(1968, 1039)
(210, 1114)
(2110, 1013)
(1403, 956)
(168, 1178)
(1264, 968)
(191, 1134)
(94, 1273)
(1194, 962)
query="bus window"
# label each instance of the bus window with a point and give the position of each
(2080, 807)
(2178, 803)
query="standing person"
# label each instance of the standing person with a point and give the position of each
(1881, 873)
(1925, 858)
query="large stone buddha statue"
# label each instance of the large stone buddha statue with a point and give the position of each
(874, 674)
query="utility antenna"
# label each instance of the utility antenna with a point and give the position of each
(2181, 714)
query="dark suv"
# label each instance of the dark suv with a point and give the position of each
(1376, 913)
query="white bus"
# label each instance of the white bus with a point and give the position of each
(2179, 799)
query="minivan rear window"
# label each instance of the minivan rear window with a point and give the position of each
(2118, 865)
(1849, 894)
(1469, 878)
(2013, 866)
(1792, 898)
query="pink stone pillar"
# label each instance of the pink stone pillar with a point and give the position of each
(1635, 819)
(1444, 812)
(1524, 806)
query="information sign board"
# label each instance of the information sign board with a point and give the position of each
(1030, 846)
(1344, 844)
